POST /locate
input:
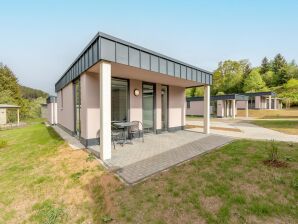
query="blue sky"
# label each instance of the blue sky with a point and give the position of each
(39, 39)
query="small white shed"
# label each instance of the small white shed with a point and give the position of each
(3, 113)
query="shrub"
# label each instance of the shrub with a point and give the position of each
(3, 143)
(272, 149)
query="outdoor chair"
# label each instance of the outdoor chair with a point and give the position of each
(136, 128)
(116, 134)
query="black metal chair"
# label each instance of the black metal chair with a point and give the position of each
(116, 134)
(136, 128)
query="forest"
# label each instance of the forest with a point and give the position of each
(13, 93)
(275, 75)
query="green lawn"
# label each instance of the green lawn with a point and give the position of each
(286, 126)
(229, 185)
(42, 180)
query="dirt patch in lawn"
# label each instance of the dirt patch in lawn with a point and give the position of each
(276, 163)
(109, 184)
(211, 204)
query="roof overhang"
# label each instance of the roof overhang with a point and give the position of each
(8, 106)
(238, 97)
(112, 49)
(261, 94)
(52, 99)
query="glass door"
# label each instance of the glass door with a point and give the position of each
(148, 107)
(164, 108)
(77, 106)
(119, 104)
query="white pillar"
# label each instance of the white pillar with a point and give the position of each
(275, 103)
(269, 102)
(206, 109)
(105, 109)
(246, 109)
(234, 108)
(18, 116)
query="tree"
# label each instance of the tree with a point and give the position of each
(229, 75)
(254, 82)
(265, 66)
(290, 91)
(190, 92)
(270, 78)
(279, 67)
(9, 87)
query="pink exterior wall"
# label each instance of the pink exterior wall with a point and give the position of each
(220, 108)
(135, 112)
(241, 104)
(176, 106)
(66, 111)
(90, 112)
(196, 108)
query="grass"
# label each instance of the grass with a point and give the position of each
(229, 185)
(272, 114)
(42, 180)
(286, 126)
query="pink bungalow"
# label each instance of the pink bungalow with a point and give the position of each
(114, 80)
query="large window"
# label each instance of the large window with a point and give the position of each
(119, 100)
(77, 92)
(148, 107)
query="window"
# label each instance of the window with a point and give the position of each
(61, 100)
(188, 104)
(119, 105)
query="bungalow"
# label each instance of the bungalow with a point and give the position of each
(261, 101)
(221, 105)
(114, 80)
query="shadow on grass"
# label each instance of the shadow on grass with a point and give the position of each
(54, 134)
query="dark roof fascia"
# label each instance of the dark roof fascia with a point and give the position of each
(220, 97)
(52, 99)
(107, 36)
(131, 45)
(260, 94)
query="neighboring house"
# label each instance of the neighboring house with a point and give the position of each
(44, 110)
(221, 105)
(52, 115)
(114, 80)
(261, 101)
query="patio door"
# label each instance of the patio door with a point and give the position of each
(164, 107)
(148, 106)
(77, 107)
(119, 101)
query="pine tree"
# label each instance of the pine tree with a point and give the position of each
(265, 66)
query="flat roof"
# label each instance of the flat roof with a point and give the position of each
(52, 99)
(8, 106)
(219, 97)
(109, 48)
(268, 93)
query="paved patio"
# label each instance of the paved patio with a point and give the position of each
(137, 161)
(247, 130)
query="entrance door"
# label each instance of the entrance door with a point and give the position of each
(148, 107)
(164, 108)
(77, 106)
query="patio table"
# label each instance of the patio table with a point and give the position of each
(124, 126)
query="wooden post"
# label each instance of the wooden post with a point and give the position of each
(18, 116)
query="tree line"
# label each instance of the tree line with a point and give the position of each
(276, 75)
(11, 92)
